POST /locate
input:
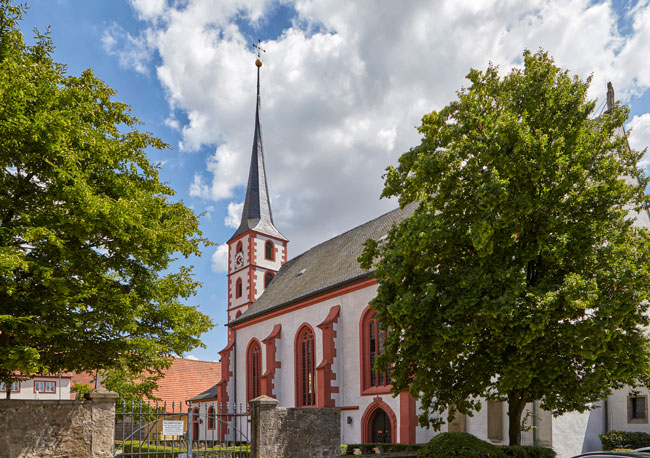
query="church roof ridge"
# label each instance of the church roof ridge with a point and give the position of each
(256, 214)
(326, 266)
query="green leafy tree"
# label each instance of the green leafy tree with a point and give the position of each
(88, 233)
(521, 275)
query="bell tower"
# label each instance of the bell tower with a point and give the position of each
(257, 250)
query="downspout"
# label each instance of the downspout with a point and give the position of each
(535, 423)
(606, 412)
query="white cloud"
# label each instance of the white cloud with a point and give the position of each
(234, 214)
(344, 86)
(220, 259)
(640, 135)
(132, 52)
(149, 9)
(192, 357)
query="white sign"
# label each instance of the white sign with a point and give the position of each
(172, 428)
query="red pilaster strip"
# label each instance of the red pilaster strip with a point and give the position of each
(222, 387)
(271, 363)
(324, 374)
(407, 418)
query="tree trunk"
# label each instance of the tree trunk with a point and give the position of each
(516, 404)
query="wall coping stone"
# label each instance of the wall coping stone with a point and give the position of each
(102, 395)
(264, 400)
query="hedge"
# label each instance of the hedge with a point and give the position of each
(452, 445)
(369, 448)
(624, 439)
(527, 451)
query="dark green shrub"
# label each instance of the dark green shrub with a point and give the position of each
(452, 445)
(369, 449)
(527, 451)
(624, 439)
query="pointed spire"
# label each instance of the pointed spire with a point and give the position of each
(257, 207)
(610, 97)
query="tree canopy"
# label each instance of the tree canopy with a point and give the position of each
(522, 274)
(88, 232)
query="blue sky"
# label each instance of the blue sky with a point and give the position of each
(343, 86)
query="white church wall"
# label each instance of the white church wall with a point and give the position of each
(575, 432)
(260, 259)
(259, 282)
(243, 275)
(618, 410)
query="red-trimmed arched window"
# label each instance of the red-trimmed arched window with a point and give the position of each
(238, 288)
(372, 344)
(253, 369)
(239, 248)
(267, 279)
(305, 352)
(269, 251)
(212, 418)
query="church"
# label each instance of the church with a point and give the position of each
(301, 331)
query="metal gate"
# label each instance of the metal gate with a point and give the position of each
(206, 429)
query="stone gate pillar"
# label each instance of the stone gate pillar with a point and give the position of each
(284, 432)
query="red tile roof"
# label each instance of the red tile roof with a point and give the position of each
(185, 379)
(84, 378)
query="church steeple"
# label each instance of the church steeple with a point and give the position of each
(257, 250)
(257, 214)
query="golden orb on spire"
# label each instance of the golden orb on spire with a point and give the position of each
(258, 63)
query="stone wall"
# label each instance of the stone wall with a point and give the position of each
(65, 428)
(281, 432)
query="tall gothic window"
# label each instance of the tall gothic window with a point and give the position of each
(269, 251)
(306, 368)
(372, 345)
(238, 288)
(253, 370)
(267, 279)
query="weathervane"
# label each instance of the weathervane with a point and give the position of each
(257, 46)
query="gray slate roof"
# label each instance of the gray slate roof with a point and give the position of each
(210, 393)
(327, 266)
(257, 208)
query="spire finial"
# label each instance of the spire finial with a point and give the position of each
(257, 46)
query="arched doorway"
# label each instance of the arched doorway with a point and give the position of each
(378, 423)
(195, 424)
(381, 430)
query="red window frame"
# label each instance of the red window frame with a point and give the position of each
(238, 288)
(305, 367)
(45, 382)
(240, 247)
(12, 390)
(253, 370)
(372, 382)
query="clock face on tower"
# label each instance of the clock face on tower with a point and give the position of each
(239, 260)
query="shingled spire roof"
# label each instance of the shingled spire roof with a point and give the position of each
(257, 208)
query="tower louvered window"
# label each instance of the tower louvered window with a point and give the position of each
(267, 279)
(238, 288)
(307, 368)
(269, 251)
(254, 370)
